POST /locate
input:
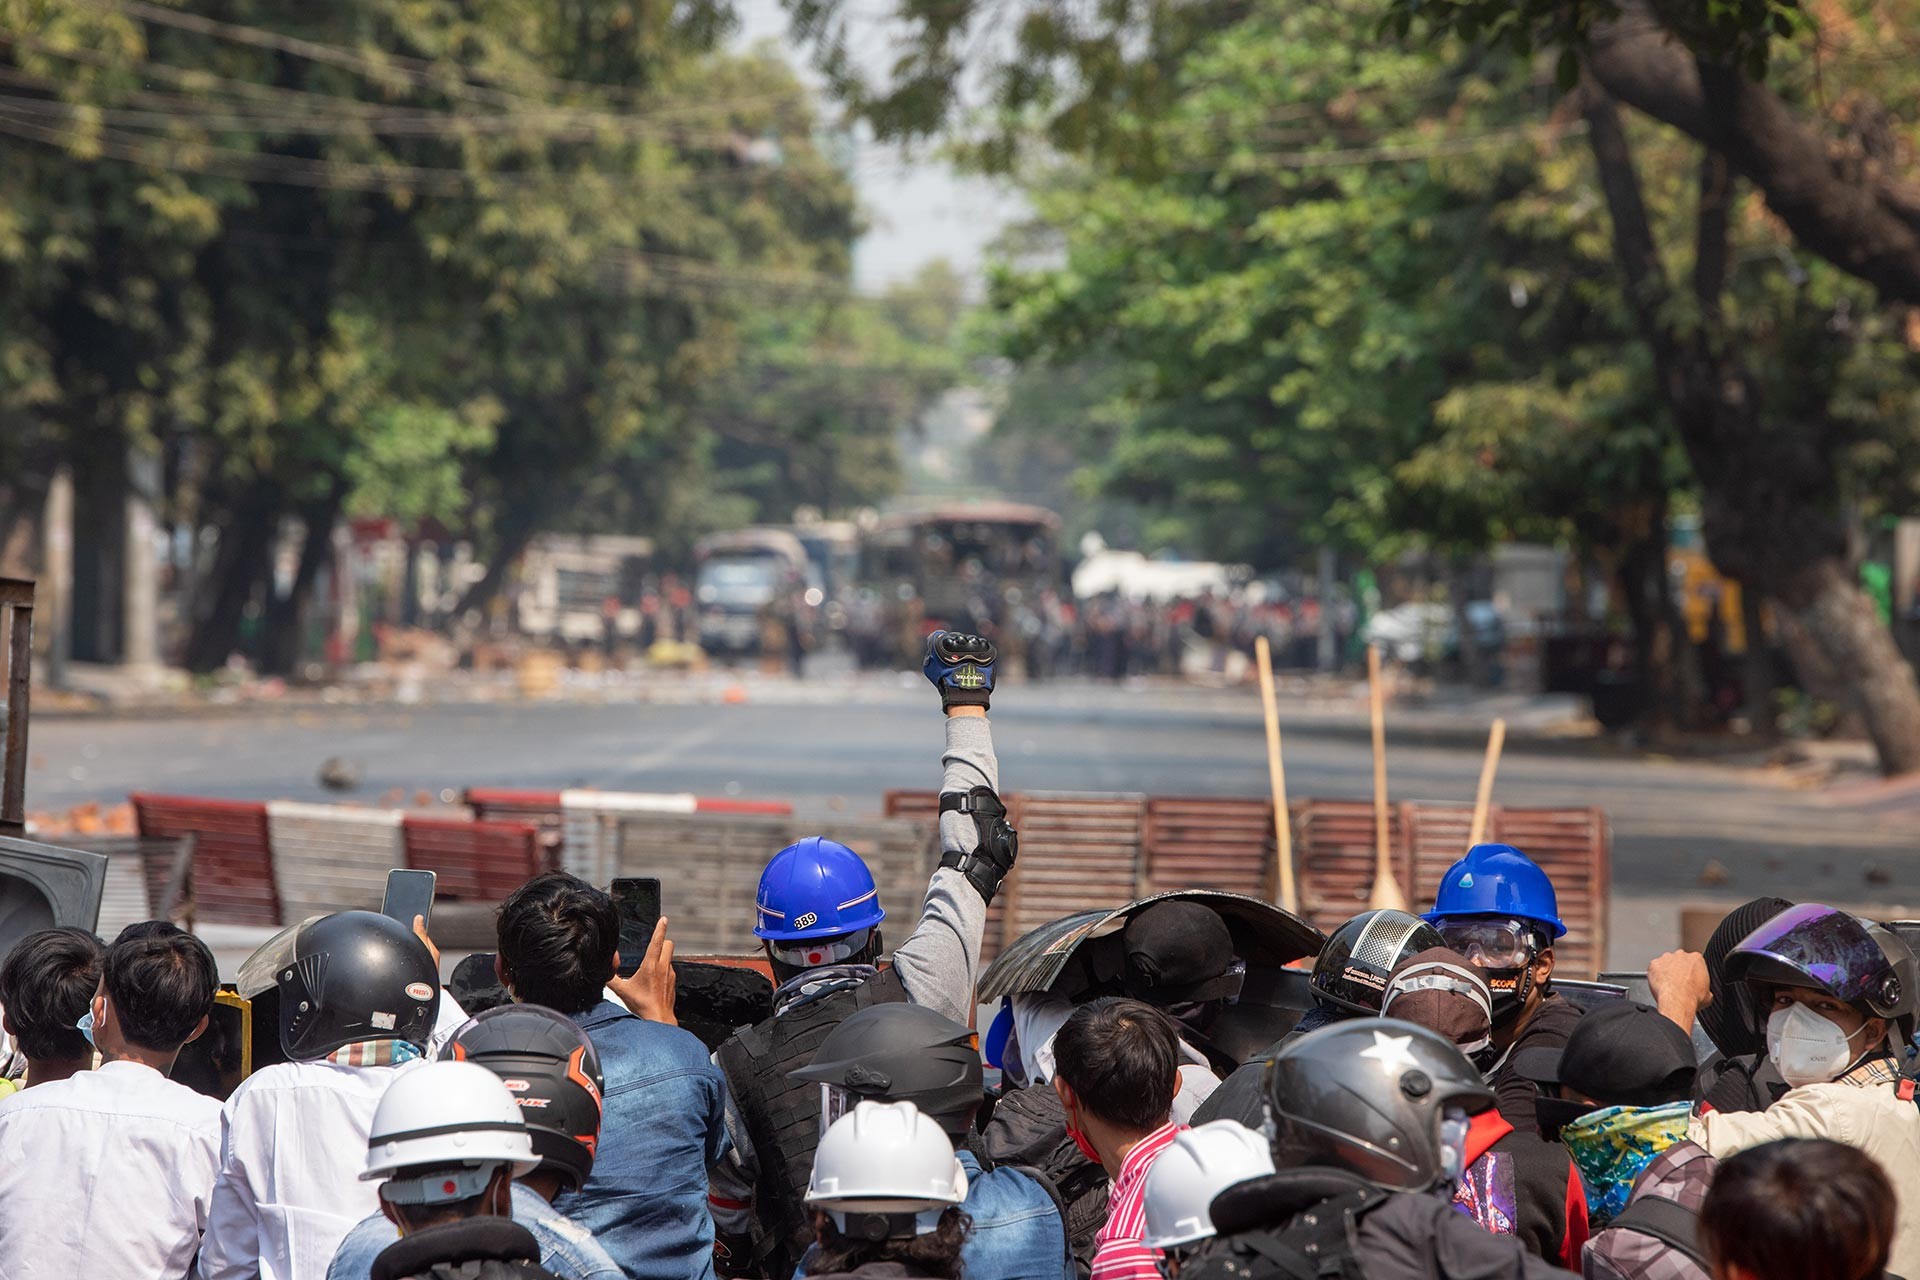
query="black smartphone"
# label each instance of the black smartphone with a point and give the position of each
(638, 900)
(409, 894)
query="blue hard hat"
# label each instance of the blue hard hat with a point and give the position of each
(1497, 880)
(815, 888)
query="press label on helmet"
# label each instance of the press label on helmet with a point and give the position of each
(807, 921)
(382, 1021)
(516, 1086)
(420, 991)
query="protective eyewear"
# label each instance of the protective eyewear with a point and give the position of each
(813, 952)
(1491, 944)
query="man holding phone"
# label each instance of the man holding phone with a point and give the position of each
(819, 919)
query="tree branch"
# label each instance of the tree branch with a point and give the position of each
(1840, 206)
(1710, 234)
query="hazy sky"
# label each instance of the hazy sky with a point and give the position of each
(919, 209)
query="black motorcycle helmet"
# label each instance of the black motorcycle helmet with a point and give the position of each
(1352, 969)
(1369, 1095)
(901, 1053)
(346, 977)
(552, 1071)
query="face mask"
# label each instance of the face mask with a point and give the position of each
(1805, 1047)
(1509, 988)
(85, 1026)
(1612, 1146)
(1080, 1140)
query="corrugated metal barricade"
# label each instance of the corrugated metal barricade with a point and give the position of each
(329, 857)
(232, 875)
(1079, 852)
(540, 808)
(474, 861)
(708, 868)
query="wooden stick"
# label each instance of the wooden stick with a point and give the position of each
(1276, 777)
(1387, 894)
(1496, 740)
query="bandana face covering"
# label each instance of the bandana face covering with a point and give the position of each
(1611, 1148)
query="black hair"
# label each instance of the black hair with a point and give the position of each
(935, 1255)
(161, 980)
(46, 985)
(558, 935)
(1121, 1058)
(1800, 1209)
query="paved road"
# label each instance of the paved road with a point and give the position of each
(842, 745)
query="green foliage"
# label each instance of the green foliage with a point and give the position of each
(1741, 32)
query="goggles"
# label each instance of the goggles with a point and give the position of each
(1492, 944)
(814, 952)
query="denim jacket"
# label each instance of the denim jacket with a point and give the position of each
(662, 1127)
(567, 1249)
(1017, 1233)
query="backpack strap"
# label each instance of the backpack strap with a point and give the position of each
(1669, 1222)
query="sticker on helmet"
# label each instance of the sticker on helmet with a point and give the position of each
(382, 1021)
(807, 921)
(1466, 881)
(516, 1086)
(420, 991)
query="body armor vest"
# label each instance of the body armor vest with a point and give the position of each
(782, 1116)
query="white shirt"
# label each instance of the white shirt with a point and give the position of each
(294, 1141)
(108, 1173)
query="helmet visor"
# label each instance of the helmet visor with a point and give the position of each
(1455, 1125)
(835, 1101)
(813, 952)
(1490, 944)
(261, 970)
(1830, 947)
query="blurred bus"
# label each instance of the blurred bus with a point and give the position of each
(964, 566)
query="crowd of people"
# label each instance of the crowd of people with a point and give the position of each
(1444, 1110)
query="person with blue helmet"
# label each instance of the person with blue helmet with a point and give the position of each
(818, 915)
(1497, 908)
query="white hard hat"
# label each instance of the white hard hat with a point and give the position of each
(884, 1170)
(1199, 1165)
(441, 1115)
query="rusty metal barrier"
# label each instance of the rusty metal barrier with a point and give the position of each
(1169, 843)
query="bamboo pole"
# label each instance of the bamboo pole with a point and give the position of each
(1387, 894)
(1276, 777)
(1496, 742)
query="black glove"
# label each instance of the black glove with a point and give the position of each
(988, 865)
(961, 668)
(733, 1256)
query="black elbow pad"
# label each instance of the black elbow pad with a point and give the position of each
(987, 866)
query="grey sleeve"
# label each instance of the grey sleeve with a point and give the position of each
(732, 1176)
(940, 962)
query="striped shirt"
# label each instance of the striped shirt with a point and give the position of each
(1118, 1253)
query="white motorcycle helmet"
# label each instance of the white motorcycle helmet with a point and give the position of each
(452, 1120)
(1200, 1164)
(884, 1171)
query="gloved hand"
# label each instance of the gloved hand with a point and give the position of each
(961, 668)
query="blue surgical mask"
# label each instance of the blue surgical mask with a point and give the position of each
(85, 1025)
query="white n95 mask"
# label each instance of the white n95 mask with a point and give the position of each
(1805, 1047)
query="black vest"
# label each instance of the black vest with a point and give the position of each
(1295, 1225)
(783, 1116)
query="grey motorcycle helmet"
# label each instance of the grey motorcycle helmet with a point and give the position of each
(1382, 1099)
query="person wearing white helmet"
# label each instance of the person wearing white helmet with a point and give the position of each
(1201, 1163)
(885, 1194)
(446, 1144)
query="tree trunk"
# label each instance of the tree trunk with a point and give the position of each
(1770, 496)
(517, 530)
(280, 639)
(1757, 666)
(241, 564)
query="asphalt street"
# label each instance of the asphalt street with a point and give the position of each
(837, 746)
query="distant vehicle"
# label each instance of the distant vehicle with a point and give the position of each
(833, 566)
(739, 575)
(961, 566)
(568, 583)
(1417, 631)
